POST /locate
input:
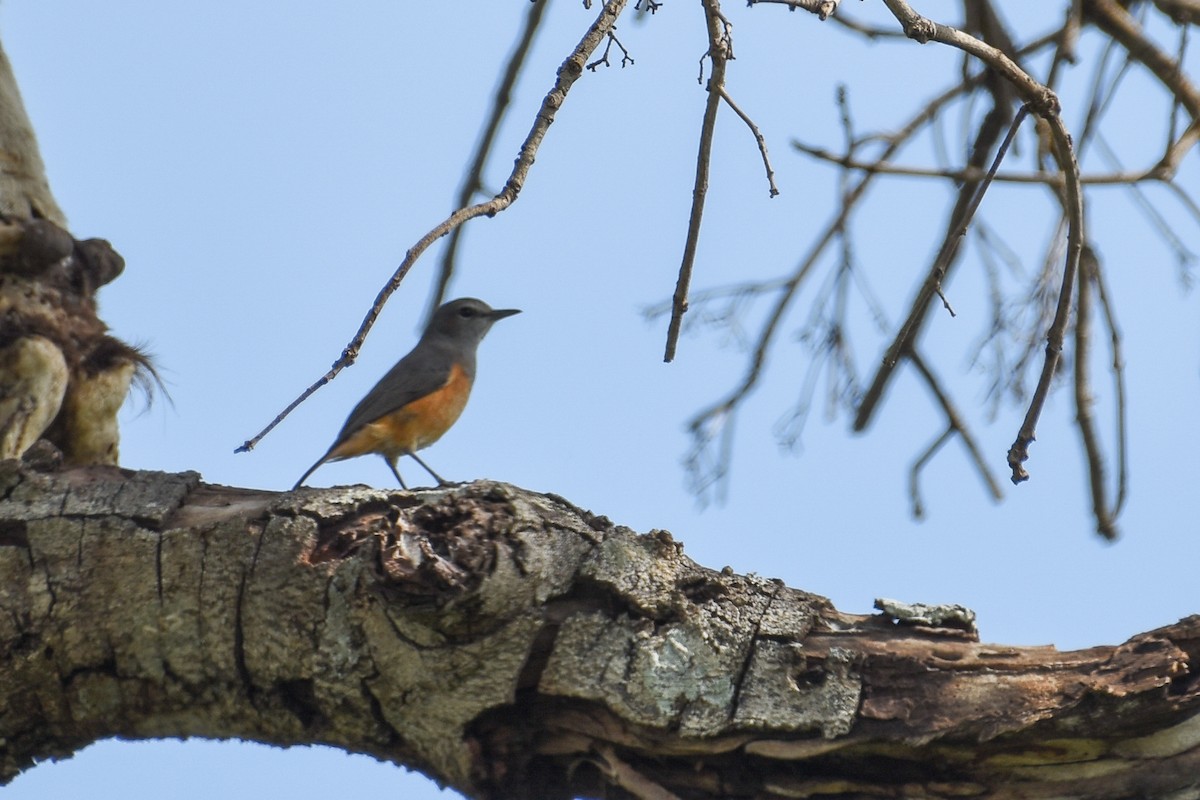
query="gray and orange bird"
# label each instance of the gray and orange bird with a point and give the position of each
(423, 395)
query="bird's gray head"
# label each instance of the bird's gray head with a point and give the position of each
(465, 321)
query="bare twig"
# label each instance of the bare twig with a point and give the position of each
(964, 174)
(720, 50)
(822, 8)
(758, 137)
(1181, 51)
(914, 472)
(712, 425)
(1068, 41)
(626, 59)
(716, 420)
(1165, 229)
(1045, 104)
(1072, 199)
(993, 252)
(1105, 523)
(824, 334)
(1114, 20)
(1038, 304)
(473, 179)
(1051, 298)
(570, 71)
(1174, 151)
(957, 424)
(1118, 370)
(969, 199)
(924, 30)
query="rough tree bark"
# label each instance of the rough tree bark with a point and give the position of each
(503, 642)
(511, 645)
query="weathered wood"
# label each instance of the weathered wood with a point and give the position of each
(511, 645)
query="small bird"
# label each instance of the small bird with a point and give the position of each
(423, 395)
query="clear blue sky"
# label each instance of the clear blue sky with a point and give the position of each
(263, 167)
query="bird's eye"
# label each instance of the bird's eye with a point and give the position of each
(466, 312)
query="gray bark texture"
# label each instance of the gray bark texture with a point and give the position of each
(511, 645)
(24, 190)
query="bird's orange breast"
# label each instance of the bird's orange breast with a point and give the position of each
(414, 426)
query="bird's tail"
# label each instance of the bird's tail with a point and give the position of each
(310, 471)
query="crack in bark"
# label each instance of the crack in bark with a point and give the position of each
(395, 738)
(239, 633)
(114, 502)
(596, 522)
(158, 566)
(201, 624)
(751, 648)
(413, 643)
(325, 601)
(8, 490)
(46, 574)
(540, 649)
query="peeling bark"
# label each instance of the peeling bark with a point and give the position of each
(62, 376)
(511, 645)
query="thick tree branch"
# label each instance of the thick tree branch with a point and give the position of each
(514, 646)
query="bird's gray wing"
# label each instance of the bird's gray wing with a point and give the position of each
(414, 376)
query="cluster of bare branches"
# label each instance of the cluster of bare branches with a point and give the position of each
(1002, 91)
(1062, 296)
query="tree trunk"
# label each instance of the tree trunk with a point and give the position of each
(62, 376)
(511, 645)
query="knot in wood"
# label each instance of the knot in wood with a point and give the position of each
(572, 68)
(34, 246)
(99, 263)
(1046, 104)
(921, 30)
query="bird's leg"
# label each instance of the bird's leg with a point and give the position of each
(391, 462)
(441, 481)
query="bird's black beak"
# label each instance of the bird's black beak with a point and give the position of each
(501, 313)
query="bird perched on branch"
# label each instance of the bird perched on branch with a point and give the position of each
(423, 395)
